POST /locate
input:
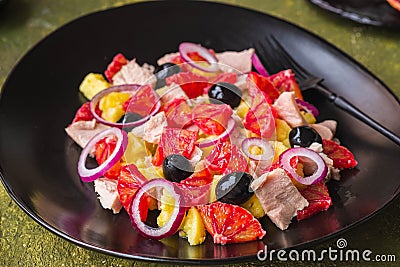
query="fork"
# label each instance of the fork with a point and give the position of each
(279, 59)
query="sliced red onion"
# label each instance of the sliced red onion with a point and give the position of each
(171, 226)
(128, 88)
(255, 60)
(89, 175)
(186, 48)
(267, 149)
(307, 107)
(318, 175)
(225, 134)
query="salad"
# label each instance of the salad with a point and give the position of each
(208, 142)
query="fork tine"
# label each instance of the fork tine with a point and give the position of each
(275, 54)
(290, 61)
(271, 60)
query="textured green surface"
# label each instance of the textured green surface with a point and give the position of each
(23, 23)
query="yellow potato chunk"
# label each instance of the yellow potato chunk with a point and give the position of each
(255, 150)
(279, 148)
(166, 207)
(216, 178)
(254, 206)
(310, 119)
(152, 172)
(193, 228)
(282, 130)
(92, 84)
(242, 109)
(135, 151)
(111, 106)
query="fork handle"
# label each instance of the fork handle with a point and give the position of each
(345, 105)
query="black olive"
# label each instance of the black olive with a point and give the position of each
(227, 93)
(130, 117)
(176, 168)
(234, 188)
(163, 71)
(303, 136)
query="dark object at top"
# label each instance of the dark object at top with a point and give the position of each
(3, 3)
(371, 12)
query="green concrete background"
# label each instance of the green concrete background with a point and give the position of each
(23, 23)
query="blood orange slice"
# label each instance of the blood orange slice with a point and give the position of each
(103, 149)
(341, 156)
(318, 198)
(395, 4)
(229, 223)
(129, 181)
(285, 81)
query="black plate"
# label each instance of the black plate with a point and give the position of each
(372, 12)
(38, 160)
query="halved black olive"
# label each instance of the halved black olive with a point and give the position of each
(176, 168)
(227, 93)
(303, 136)
(130, 117)
(234, 188)
(163, 71)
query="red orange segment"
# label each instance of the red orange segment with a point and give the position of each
(229, 223)
(395, 4)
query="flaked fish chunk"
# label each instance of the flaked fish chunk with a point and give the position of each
(278, 196)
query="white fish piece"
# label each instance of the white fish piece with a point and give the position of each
(108, 194)
(331, 124)
(241, 82)
(152, 129)
(167, 58)
(288, 110)
(82, 131)
(323, 131)
(133, 73)
(196, 156)
(278, 196)
(172, 92)
(232, 61)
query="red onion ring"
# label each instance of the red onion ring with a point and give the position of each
(268, 151)
(229, 129)
(307, 107)
(120, 88)
(318, 175)
(186, 48)
(255, 60)
(89, 175)
(172, 225)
